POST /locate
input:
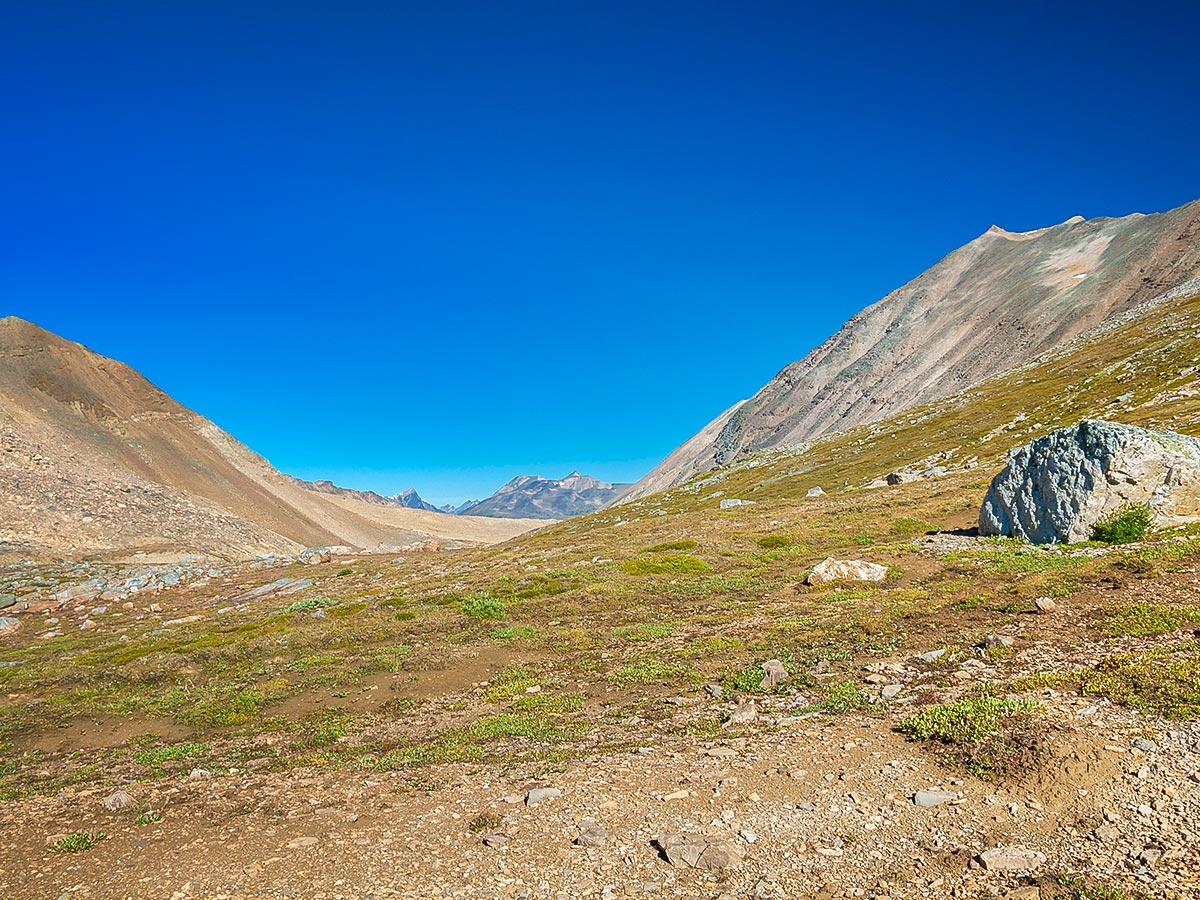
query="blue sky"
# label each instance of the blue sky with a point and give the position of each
(441, 244)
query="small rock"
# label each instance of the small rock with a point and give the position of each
(732, 503)
(1145, 745)
(815, 492)
(200, 773)
(831, 569)
(773, 674)
(932, 655)
(1045, 605)
(1107, 833)
(714, 690)
(538, 795)
(592, 836)
(744, 713)
(697, 852)
(1011, 859)
(929, 798)
(9, 625)
(891, 691)
(117, 800)
(495, 840)
(300, 842)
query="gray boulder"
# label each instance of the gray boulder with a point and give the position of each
(1056, 488)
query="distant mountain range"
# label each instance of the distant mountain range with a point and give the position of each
(525, 497)
(531, 497)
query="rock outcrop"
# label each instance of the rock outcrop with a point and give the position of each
(1055, 489)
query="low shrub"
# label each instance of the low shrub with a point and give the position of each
(1126, 525)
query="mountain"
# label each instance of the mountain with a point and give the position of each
(96, 460)
(528, 496)
(328, 487)
(412, 500)
(994, 303)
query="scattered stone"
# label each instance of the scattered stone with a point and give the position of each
(9, 625)
(729, 503)
(891, 691)
(7, 600)
(714, 690)
(894, 478)
(538, 795)
(1107, 833)
(932, 656)
(745, 713)
(931, 798)
(773, 674)
(116, 801)
(721, 752)
(698, 852)
(1011, 859)
(301, 842)
(495, 840)
(1056, 488)
(1145, 745)
(592, 836)
(314, 556)
(815, 492)
(992, 641)
(846, 570)
(200, 773)
(1045, 605)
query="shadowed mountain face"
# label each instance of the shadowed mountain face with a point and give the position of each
(95, 459)
(995, 303)
(530, 497)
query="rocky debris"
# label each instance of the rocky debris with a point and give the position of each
(540, 795)
(773, 673)
(1011, 859)
(314, 556)
(117, 800)
(591, 836)
(846, 570)
(690, 851)
(815, 492)
(1056, 488)
(731, 503)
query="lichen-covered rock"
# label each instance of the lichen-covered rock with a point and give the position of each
(1056, 488)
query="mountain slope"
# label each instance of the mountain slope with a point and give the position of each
(996, 302)
(96, 459)
(528, 496)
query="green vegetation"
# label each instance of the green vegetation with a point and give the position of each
(155, 757)
(1124, 526)
(672, 564)
(77, 842)
(510, 683)
(1148, 619)
(644, 671)
(775, 542)
(147, 818)
(841, 697)
(645, 632)
(479, 606)
(964, 722)
(515, 633)
(308, 604)
(342, 573)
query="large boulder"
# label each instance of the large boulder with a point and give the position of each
(832, 569)
(1056, 488)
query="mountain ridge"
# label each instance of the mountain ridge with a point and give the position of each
(981, 309)
(98, 460)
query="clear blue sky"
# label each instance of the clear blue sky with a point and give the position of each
(442, 243)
